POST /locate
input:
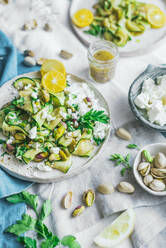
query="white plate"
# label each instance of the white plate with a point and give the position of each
(29, 172)
(148, 41)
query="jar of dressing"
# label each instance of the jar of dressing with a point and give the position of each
(102, 56)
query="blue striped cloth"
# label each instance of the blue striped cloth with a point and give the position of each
(11, 65)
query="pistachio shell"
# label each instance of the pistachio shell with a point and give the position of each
(78, 211)
(40, 61)
(144, 168)
(65, 54)
(125, 187)
(29, 53)
(89, 197)
(67, 200)
(158, 173)
(47, 27)
(123, 133)
(157, 185)
(148, 179)
(105, 188)
(160, 160)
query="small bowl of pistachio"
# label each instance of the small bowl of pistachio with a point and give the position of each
(150, 168)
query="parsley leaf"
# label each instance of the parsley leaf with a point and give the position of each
(27, 223)
(42, 230)
(70, 241)
(30, 199)
(45, 210)
(119, 159)
(50, 242)
(27, 241)
(2, 141)
(132, 146)
(19, 101)
(98, 141)
(88, 120)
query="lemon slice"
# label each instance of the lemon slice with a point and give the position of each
(119, 230)
(54, 81)
(82, 18)
(52, 65)
(156, 17)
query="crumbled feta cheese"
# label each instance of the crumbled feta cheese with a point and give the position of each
(34, 95)
(142, 100)
(44, 113)
(37, 146)
(27, 86)
(152, 98)
(55, 150)
(10, 140)
(50, 118)
(64, 115)
(74, 115)
(69, 111)
(100, 130)
(33, 133)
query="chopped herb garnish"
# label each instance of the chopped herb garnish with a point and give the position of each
(120, 159)
(98, 141)
(132, 146)
(19, 101)
(75, 106)
(27, 223)
(70, 127)
(2, 141)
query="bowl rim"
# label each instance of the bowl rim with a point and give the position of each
(138, 177)
(149, 70)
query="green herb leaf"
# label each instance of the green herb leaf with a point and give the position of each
(70, 241)
(51, 242)
(3, 154)
(15, 198)
(27, 241)
(46, 210)
(42, 230)
(98, 141)
(2, 141)
(27, 223)
(30, 199)
(132, 146)
(119, 159)
(19, 101)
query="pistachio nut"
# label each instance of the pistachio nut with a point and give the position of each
(65, 54)
(67, 200)
(78, 211)
(157, 185)
(148, 179)
(125, 187)
(29, 61)
(123, 133)
(160, 160)
(20, 136)
(146, 156)
(89, 197)
(29, 53)
(105, 188)
(158, 173)
(47, 27)
(144, 168)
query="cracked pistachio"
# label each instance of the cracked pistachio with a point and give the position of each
(89, 197)
(67, 200)
(78, 211)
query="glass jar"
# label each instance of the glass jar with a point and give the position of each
(101, 70)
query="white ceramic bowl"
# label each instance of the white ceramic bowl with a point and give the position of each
(153, 149)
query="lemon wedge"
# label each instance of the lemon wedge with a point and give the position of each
(52, 65)
(82, 18)
(119, 230)
(54, 81)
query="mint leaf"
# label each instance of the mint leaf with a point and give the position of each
(46, 210)
(15, 198)
(50, 243)
(27, 241)
(70, 241)
(26, 224)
